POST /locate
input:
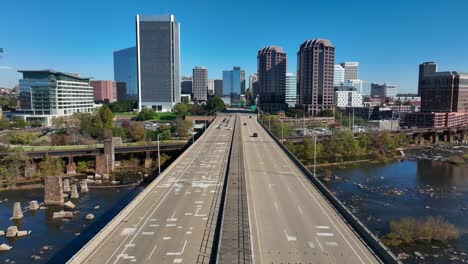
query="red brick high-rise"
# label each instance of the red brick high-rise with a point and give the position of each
(315, 60)
(104, 90)
(271, 83)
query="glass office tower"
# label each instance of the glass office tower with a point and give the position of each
(125, 71)
(232, 84)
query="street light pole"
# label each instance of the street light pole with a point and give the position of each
(282, 135)
(159, 153)
(315, 152)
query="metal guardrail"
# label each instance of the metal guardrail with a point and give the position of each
(372, 241)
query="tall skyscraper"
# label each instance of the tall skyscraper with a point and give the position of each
(242, 81)
(158, 57)
(425, 69)
(444, 92)
(252, 80)
(211, 87)
(232, 84)
(444, 98)
(186, 84)
(200, 84)
(218, 88)
(291, 89)
(125, 70)
(316, 59)
(338, 76)
(272, 64)
(351, 70)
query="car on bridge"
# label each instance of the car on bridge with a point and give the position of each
(255, 134)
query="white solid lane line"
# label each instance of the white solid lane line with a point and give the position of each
(152, 251)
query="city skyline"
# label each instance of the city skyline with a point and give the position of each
(368, 43)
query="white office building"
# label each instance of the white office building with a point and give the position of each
(338, 77)
(345, 99)
(291, 90)
(45, 94)
(211, 87)
(351, 70)
(355, 84)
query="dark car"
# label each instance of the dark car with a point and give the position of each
(250, 116)
(255, 135)
(245, 124)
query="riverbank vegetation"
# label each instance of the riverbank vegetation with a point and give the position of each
(411, 230)
(458, 159)
(341, 145)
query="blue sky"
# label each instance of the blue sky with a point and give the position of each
(388, 38)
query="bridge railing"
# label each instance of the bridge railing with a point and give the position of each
(372, 241)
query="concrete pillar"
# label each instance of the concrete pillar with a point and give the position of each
(445, 138)
(436, 138)
(53, 190)
(84, 186)
(109, 152)
(66, 185)
(451, 137)
(148, 160)
(421, 139)
(148, 163)
(101, 166)
(17, 212)
(33, 205)
(74, 192)
(71, 166)
(29, 168)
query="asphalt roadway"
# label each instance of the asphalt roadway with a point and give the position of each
(291, 222)
(176, 219)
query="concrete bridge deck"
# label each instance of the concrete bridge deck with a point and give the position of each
(174, 219)
(291, 222)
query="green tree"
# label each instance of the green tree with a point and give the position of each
(152, 135)
(137, 132)
(19, 122)
(4, 124)
(181, 109)
(327, 113)
(21, 137)
(15, 162)
(51, 166)
(146, 114)
(216, 104)
(36, 123)
(105, 117)
(182, 127)
(164, 158)
(119, 132)
(278, 128)
(81, 166)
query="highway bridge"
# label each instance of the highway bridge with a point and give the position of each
(235, 198)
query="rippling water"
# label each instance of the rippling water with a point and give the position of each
(429, 188)
(65, 237)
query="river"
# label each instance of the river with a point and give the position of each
(55, 241)
(429, 188)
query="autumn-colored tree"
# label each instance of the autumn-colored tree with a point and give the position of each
(137, 132)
